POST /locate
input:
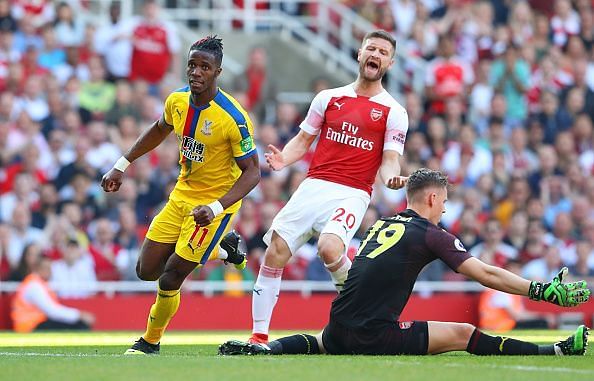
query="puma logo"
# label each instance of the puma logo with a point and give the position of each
(338, 105)
(151, 317)
(178, 112)
(257, 291)
(503, 339)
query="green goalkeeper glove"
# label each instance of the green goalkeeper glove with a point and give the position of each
(562, 294)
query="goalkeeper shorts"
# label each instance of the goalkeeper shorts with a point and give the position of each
(408, 338)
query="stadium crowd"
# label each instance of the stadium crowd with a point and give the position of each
(500, 96)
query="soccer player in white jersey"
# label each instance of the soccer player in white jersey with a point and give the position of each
(361, 130)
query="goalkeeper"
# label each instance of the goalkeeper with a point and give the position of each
(364, 318)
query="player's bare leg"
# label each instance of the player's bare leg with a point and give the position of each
(331, 249)
(165, 306)
(152, 259)
(267, 287)
(446, 337)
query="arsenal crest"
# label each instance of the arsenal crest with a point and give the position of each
(376, 114)
(206, 129)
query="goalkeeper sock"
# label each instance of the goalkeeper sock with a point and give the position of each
(483, 344)
(161, 312)
(339, 271)
(264, 298)
(300, 344)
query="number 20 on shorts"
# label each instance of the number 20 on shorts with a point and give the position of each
(341, 215)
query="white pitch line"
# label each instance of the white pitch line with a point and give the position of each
(525, 368)
(39, 354)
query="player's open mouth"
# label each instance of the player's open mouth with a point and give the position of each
(195, 83)
(372, 65)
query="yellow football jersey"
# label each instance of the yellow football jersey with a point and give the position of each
(210, 139)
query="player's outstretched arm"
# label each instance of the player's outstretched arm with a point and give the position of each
(389, 171)
(147, 141)
(295, 149)
(557, 292)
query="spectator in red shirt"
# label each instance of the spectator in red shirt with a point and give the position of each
(447, 76)
(107, 255)
(257, 83)
(154, 46)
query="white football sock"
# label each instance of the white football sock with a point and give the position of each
(341, 270)
(222, 255)
(264, 297)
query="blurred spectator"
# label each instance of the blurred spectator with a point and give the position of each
(39, 12)
(112, 43)
(73, 69)
(552, 118)
(23, 191)
(516, 200)
(74, 275)
(123, 106)
(30, 257)
(26, 35)
(79, 165)
(21, 234)
(493, 250)
(545, 267)
(155, 46)
(510, 76)
(464, 161)
(35, 306)
(565, 22)
(69, 30)
(96, 96)
(108, 256)
(516, 231)
(555, 196)
(8, 55)
(257, 83)
(7, 21)
(102, 153)
(52, 55)
(447, 76)
(547, 166)
(129, 235)
(583, 268)
(32, 101)
(73, 215)
(523, 161)
(47, 206)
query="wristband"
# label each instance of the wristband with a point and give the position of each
(121, 164)
(536, 290)
(216, 207)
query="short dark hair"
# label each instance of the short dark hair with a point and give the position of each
(210, 44)
(422, 179)
(380, 33)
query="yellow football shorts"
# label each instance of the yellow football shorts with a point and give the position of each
(174, 224)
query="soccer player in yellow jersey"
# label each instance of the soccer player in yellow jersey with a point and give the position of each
(219, 166)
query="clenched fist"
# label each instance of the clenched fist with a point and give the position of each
(112, 180)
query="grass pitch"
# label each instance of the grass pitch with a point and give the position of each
(193, 356)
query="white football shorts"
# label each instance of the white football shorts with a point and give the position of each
(323, 207)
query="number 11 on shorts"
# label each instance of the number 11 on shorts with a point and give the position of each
(200, 240)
